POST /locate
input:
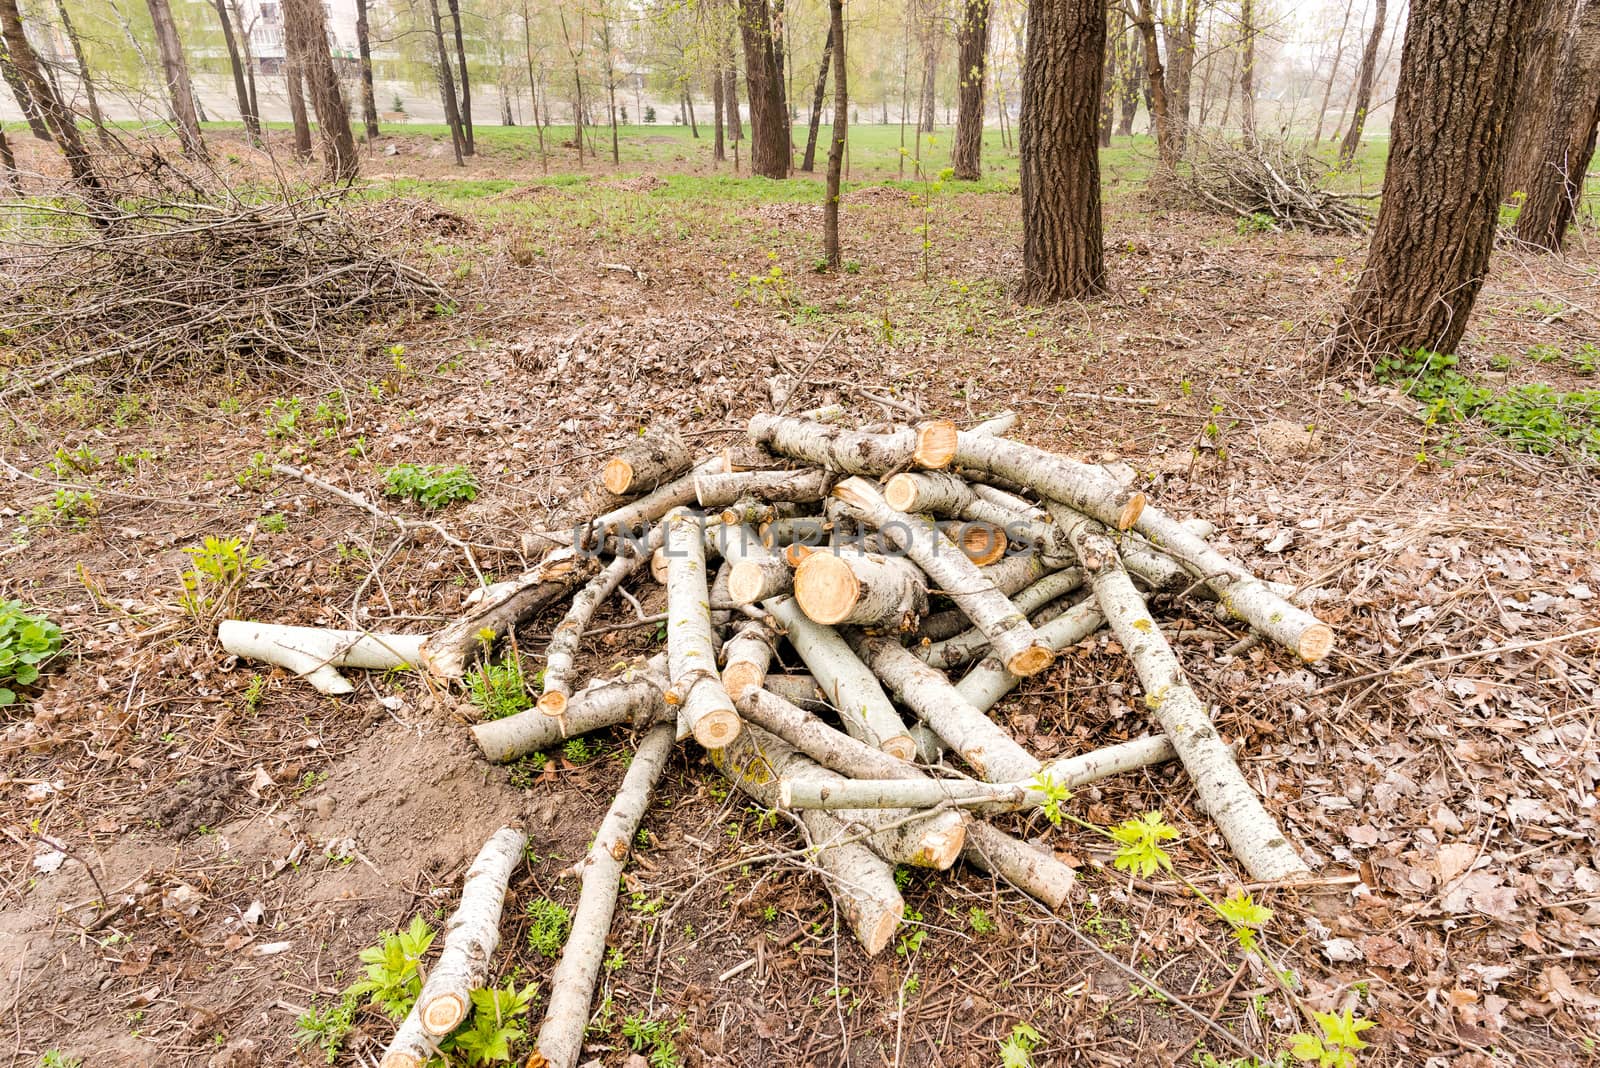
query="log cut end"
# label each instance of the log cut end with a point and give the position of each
(400, 1059)
(901, 493)
(740, 677)
(1031, 661)
(443, 1014)
(936, 444)
(826, 588)
(717, 728)
(796, 552)
(982, 543)
(745, 582)
(876, 932)
(1315, 643)
(617, 475)
(901, 747)
(941, 848)
(1131, 510)
(553, 703)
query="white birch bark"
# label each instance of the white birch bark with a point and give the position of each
(990, 680)
(656, 458)
(562, 651)
(411, 1047)
(634, 697)
(1034, 871)
(928, 445)
(756, 580)
(1089, 489)
(471, 935)
(718, 490)
(844, 586)
(746, 657)
(314, 654)
(969, 645)
(703, 706)
(449, 650)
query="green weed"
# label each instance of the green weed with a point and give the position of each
(28, 641)
(551, 922)
(430, 485)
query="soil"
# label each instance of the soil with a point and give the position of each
(231, 840)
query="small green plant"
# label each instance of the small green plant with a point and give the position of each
(254, 692)
(500, 689)
(616, 960)
(1544, 353)
(66, 507)
(1258, 222)
(430, 485)
(911, 942)
(1016, 1049)
(1141, 839)
(653, 1038)
(1245, 917)
(282, 417)
(56, 1059)
(256, 474)
(497, 1014)
(771, 288)
(551, 922)
(327, 1028)
(393, 979)
(1336, 1046)
(980, 921)
(28, 641)
(577, 751)
(1587, 359)
(525, 771)
(219, 566)
(273, 523)
(79, 461)
(1055, 795)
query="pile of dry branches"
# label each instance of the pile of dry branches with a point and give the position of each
(1271, 182)
(169, 281)
(844, 609)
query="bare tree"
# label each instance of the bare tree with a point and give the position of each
(1130, 77)
(247, 115)
(25, 101)
(1569, 138)
(1364, 77)
(63, 128)
(304, 21)
(719, 150)
(236, 23)
(1062, 253)
(1333, 71)
(769, 122)
(468, 145)
(175, 69)
(611, 81)
(369, 103)
(972, 53)
(1161, 120)
(447, 87)
(83, 73)
(809, 162)
(1247, 68)
(1447, 153)
(1180, 30)
(294, 82)
(836, 143)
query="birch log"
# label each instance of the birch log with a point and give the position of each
(634, 697)
(980, 541)
(704, 709)
(718, 490)
(969, 645)
(990, 679)
(470, 935)
(1010, 634)
(799, 530)
(930, 444)
(572, 983)
(756, 580)
(313, 653)
(656, 458)
(998, 425)
(449, 650)
(746, 657)
(411, 1047)
(1087, 488)
(1222, 791)
(1011, 575)
(1034, 871)
(799, 690)
(844, 586)
(562, 651)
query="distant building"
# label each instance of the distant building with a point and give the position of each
(263, 21)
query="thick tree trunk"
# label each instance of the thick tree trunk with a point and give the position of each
(836, 138)
(61, 126)
(1364, 77)
(294, 80)
(1179, 31)
(1247, 65)
(369, 103)
(1333, 72)
(1535, 94)
(769, 123)
(1155, 75)
(23, 96)
(305, 21)
(1568, 133)
(1062, 253)
(83, 71)
(1447, 153)
(246, 115)
(468, 145)
(809, 162)
(447, 89)
(175, 69)
(972, 53)
(928, 445)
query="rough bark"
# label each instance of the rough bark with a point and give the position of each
(314, 654)
(972, 53)
(247, 114)
(62, 128)
(248, 54)
(1130, 71)
(1535, 94)
(836, 138)
(369, 103)
(1062, 249)
(1364, 77)
(634, 697)
(704, 709)
(23, 95)
(1447, 152)
(468, 144)
(1567, 130)
(863, 589)
(305, 21)
(447, 89)
(471, 934)
(808, 163)
(1247, 65)
(657, 457)
(769, 122)
(1155, 79)
(1034, 871)
(1179, 31)
(8, 164)
(720, 490)
(175, 69)
(1084, 487)
(719, 150)
(294, 81)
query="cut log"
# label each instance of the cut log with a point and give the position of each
(998, 425)
(1010, 634)
(930, 444)
(656, 458)
(411, 1047)
(746, 657)
(990, 751)
(634, 697)
(704, 708)
(313, 653)
(572, 983)
(982, 542)
(1034, 871)
(1089, 489)
(450, 650)
(1222, 791)
(470, 935)
(809, 531)
(843, 586)
(1034, 602)
(756, 580)
(746, 455)
(601, 532)
(990, 679)
(562, 651)
(803, 486)
(801, 691)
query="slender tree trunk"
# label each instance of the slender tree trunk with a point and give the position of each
(1179, 30)
(688, 107)
(175, 69)
(1247, 66)
(1569, 133)
(1161, 121)
(1062, 254)
(304, 21)
(447, 86)
(577, 86)
(730, 100)
(1369, 63)
(8, 164)
(1333, 71)
(972, 50)
(58, 119)
(294, 77)
(252, 127)
(1108, 81)
(930, 73)
(780, 34)
(468, 144)
(369, 102)
(1536, 95)
(83, 73)
(719, 151)
(25, 101)
(809, 162)
(533, 86)
(1447, 153)
(1131, 71)
(837, 136)
(611, 85)
(905, 89)
(242, 35)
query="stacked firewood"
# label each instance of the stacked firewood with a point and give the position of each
(844, 609)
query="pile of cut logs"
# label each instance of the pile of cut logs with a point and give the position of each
(844, 609)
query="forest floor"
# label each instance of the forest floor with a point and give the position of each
(268, 834)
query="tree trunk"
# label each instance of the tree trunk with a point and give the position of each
(25, 101)
(447, 87)
(611, 86)
(972, 49)
(930, 73)
(1108, 81)
(539, 120)
(780, 33)
(769, 124)
(8, 164)
(1130, 69)
(249, 63)
(1569, 130)
(809, 162)
(730, 94)
(688, 104)
(246, 115)
(57, 118)
(83, 72)
(305, 22)
(1179, 30)
(1535, 94)
(369, 103)
(1062, 254)
(1155, 75)
(719, 151)
(1369, 64)
(1447, 155)
(175, 69)
(468, 145)
(294, 85)
(1333, 72)
(1247, 66)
